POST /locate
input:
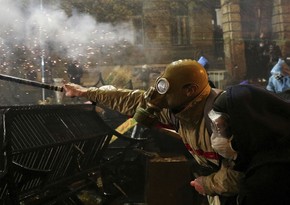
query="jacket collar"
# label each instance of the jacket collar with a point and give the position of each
(193, 112)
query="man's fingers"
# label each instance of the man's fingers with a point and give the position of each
(192, 183)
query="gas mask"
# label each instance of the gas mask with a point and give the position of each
(170, 88)
(155, 102)
(221, 136)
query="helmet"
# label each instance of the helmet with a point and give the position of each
(179, 75)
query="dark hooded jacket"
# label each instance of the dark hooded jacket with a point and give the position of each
(260, 123)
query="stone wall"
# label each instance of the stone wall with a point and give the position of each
(281, 25)
(233, 41)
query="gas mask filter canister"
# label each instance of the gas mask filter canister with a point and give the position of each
(145, 116)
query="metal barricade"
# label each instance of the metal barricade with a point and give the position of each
(48, 153)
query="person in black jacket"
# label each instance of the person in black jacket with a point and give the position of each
(255, 135)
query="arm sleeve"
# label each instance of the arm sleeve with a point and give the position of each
(223, 182)
(122, 100)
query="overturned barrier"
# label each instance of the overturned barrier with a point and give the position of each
(49, 153)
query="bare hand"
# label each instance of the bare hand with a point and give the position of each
(197, 184)
(74, 90)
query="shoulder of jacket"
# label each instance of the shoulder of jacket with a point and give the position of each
(217, 91)
(214, 93)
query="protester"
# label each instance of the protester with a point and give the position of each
(204, 62)
(257, 138)
(75, 72)
(280, 77)
(181, 97)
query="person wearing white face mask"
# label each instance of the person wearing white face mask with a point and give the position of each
(251, 129)
(221, 136)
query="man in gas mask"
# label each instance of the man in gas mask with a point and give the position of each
(181, 97)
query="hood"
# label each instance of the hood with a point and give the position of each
(259, 120)
(281, 68)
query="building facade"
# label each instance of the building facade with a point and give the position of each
(228, 32)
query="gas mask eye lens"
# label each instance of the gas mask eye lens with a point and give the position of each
(162, 86)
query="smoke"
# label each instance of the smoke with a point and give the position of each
(33, 31)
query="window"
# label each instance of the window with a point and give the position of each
(180, 30)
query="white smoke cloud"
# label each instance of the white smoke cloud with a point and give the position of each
(41, 29)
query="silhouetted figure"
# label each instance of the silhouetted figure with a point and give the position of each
(263, 55)
(204, 62)
(75, 72)
(251, 53)
(274, 55)
(144, 75)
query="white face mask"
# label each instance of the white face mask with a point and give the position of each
(221, 137)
